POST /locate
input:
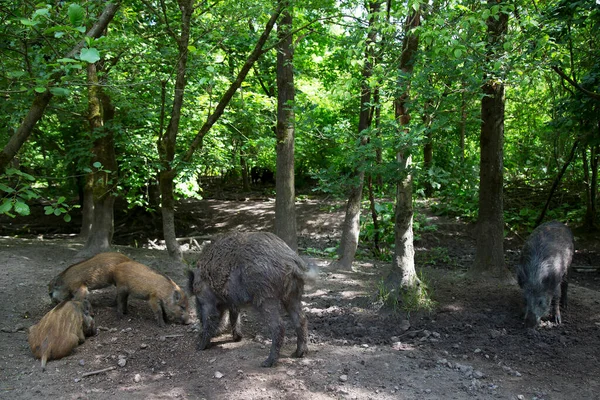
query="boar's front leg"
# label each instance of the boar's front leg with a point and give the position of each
(122, 296)
(210, 317)
(157, 308)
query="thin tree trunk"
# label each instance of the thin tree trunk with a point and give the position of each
(285, 210)
(374, 216)
(167, 142)
(244, 166)
(351, 226)
(489, 255)
(41, 100)
(226, 98)
(463, 124)
(403, 273)
(557, 180)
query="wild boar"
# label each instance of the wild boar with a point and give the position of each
(93, 273)
(257, 269)
(167, 300)
(61, 330)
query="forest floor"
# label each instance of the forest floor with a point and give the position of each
(472, 345)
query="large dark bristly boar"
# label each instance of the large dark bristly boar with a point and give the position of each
(542, 271)
(61, 330)
(167, 300)
(257, 269)
(93, 273)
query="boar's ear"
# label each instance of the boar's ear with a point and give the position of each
(81, 293)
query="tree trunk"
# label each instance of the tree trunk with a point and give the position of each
(41, 100)
(374, 216)
(244, 166)
(103, 180)
(87, 209)
(285, 210)
(351, 226)
(167, 142)
(489, 255)
(591, 188)
(403, 273)
(463, 123)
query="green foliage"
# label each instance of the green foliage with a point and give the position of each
(60, 207)
(15, 191)
(407, 299)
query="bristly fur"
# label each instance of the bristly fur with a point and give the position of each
(251, 268)
(61, 330)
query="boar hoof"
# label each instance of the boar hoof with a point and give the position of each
(237, 337)
(269, 362)
(203, 344)
(299, 353)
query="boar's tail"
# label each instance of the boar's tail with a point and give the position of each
(308, 269)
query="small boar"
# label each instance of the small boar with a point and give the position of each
(257, 269)
(167, 300)
(543, 269)
(93, 273)
(61, 330)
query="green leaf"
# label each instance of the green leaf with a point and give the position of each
(6, 206)
(76, 14)
(6, 189)
(41, 11)
(67, 218)
(49, 210)
(60, 91)
(40, 89)
(97, 164)
(89, 55)
(59, 34)
(56, 212)
(507, 46)
(67, 60)
(61, 199)
(16, 74)
(457, 53)
(28, 22)
(22, 208)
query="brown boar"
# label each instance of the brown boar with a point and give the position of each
(61, 330)
(257, 269)
(93, 273)
(167, 300)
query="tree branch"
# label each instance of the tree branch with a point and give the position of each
(572, 82)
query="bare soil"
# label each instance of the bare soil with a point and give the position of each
(472, 345)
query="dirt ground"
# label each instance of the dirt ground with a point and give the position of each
(473, 345)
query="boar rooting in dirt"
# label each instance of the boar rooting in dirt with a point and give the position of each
(90, 274)
(167, 300)
(256, 269)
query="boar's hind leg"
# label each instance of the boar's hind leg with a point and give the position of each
(270, 310)
(296, 313)
(556, 300)
(234, 319)
(564, 285)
